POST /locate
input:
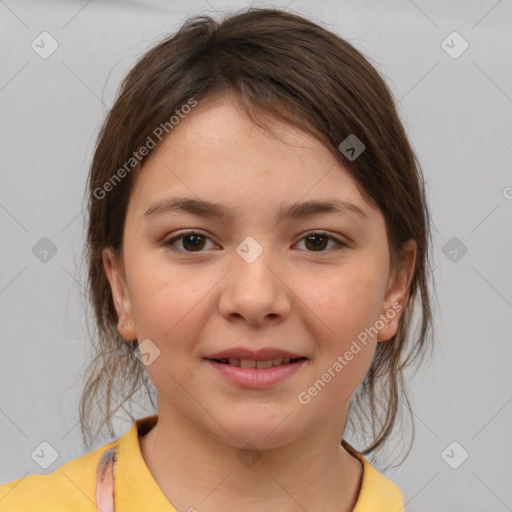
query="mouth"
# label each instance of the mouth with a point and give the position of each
(257, 373)
(263, 368)
(260, 364)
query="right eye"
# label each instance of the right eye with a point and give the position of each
(190, 240)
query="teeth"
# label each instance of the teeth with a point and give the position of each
(252, 363)
(264, 364)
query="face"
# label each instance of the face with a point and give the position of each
(309, 285)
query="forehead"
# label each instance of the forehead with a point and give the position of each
(217, 154)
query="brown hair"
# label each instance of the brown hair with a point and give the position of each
(279, 66)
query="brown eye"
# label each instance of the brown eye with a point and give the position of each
(191, 241)
(317, 242)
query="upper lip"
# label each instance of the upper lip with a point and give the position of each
(262, 354)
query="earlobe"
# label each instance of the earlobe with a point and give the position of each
(120, 295)
(397, 294)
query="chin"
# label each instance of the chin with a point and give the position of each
(258, 430)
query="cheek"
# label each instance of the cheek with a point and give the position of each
(342, 310)
(165, 306)
(344, 302)
(170, 311)
(168, 302)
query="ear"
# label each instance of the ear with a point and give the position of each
(397, 293)
(116, 277)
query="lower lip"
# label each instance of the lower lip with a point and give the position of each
(257, 377)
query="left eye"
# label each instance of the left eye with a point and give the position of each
(316, 240)
(195, 241)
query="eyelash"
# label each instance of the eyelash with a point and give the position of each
(192, 232)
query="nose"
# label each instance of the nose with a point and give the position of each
(255, 290)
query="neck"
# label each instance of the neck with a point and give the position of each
(195, 470)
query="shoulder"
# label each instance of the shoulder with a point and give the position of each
(378, 492)
(69, 487)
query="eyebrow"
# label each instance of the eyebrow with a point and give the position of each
(212, 209)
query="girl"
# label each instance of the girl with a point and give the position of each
(257, 235)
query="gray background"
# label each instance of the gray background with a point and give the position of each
(457, 113)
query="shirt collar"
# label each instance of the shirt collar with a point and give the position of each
(140, 490)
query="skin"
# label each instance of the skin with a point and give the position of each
(294, 297)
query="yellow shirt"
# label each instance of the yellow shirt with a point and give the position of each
(71, 487)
